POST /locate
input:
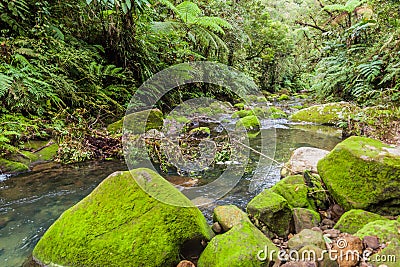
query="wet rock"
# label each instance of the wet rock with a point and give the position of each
(302, 159)
(363, 173)
(251, 123)
(4, 221)
(238, 247)
(186, 263)
(385, 230)
(273, 211)
(120, 223)
(349, 250)
(371, 242)
(305, 219)
(353, 220)
(229, 216)
(305, 238)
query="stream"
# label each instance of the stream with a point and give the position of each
(31, 202)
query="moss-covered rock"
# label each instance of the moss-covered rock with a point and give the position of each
(283, 97)
(136, 122)
(8, 166)
(276, 113)
(389, 256)
(242, 113)
(273, 211)
(385, 230)
(200, 131)
(119, 224)
(305, 238)
(330, 113)
(239, 106)
(251, 123)
(355, 219)
(294, 190)
(238, 247)
(363, 173)
(229, 216)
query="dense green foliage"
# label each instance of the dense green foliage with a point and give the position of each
(78, 62)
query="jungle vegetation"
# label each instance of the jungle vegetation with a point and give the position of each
(68, 67)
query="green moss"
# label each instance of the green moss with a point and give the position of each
(242, 114)
(119, 224)
(385, 230)
(25, 157)
(283, 97)
(273, 210)
(200, 130)
(237, 247)
(136, 122)
(180, 119)
(250, 123)
(389, 256)
(360, 173)
(8, 166)
(354, 220)
(47, 153)
(294, 190)
(239, 106)
(325, 114)
(276, 113)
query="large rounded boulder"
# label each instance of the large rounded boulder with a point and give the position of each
(119, 224)
(363, 173)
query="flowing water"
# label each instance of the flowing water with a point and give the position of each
(31, 202)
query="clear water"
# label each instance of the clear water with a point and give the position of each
(31, 202)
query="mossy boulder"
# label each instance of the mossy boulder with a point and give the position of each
(229, 216)
(200, 131)
(8, 166)
(242, 113)
(363, 173)
(251, 123)
(276, 113)
(385, 230)
(273, 211)
(238, 247)
(136, 122)
(389, 256)
(119, 224)
(355, 219)
(283, 97)
(294, 190)
(329, 114)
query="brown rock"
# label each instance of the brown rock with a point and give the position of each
(328, 222)
(186, 263)
(333, 233)
(305, 219)
(348, 249)
(316, 229)
(371, 242)
(216, 227)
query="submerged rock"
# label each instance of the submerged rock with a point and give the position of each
(353, 220)
(119, 224)
(238, 247)
(229, 216)
(273, 211)
(329, 114)
(363, 173)
(136, 122)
